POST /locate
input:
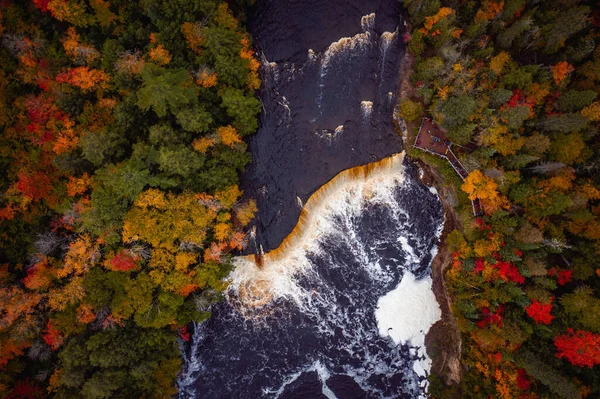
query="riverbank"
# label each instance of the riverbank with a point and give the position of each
(443, 341)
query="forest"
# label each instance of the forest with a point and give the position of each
(516, 85)
(123, 127)
(122, 140)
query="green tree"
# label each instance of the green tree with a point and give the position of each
(564, 123)
(419, 9)
(516, 116)
(428, 68)
(457, 110)
(568, 148)
(410, 110)
(569, 23)
(547, 375)
(583, 308)
(180, 160)
(573, 100)
(164, 90)
(194, 119)
(243, 108)
(120, 362)
(499, 96)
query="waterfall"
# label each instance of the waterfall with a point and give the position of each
(387, 39)
(366, 108)
(348, 47)
(345, 47)
(367, 22)
(257, 286)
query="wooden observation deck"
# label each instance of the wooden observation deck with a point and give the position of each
(433, 140)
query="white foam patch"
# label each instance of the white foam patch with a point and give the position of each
(406, 314)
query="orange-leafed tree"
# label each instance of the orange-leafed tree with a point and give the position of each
(160, 55)
(78, 185)
(560, 71)
(478, 185)
(592, 111)
(18, 321)
(246, 53)
(206, 78)
(228, 135)
(192, 31)
(203, 144)
(79, 52)
(489, 10)
(130, 62)
(84, 78)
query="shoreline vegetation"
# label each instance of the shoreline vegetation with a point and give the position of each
(122, 126)
(515, 87)
(443, 340)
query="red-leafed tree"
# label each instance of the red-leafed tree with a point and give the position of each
(580, 348)
(26, 390)
(491, 317)
(540, 312)
(41, 4)
(123, 262)
(509, 272)
(34, 185)
(52, 336)
(564, 276)
(522, 381)
(184, 334)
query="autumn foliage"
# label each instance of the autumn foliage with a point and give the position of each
(516, 93)
(560, 72)
(35, 186)
(84, 78)
(580, 348)
(540, 312)
(432, 21)
(52, 336)
(119, 205)
(123, 262)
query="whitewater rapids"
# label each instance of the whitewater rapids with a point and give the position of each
(345, 300)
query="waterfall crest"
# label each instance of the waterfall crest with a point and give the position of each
(258, 279)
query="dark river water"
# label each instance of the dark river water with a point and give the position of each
(330, 72)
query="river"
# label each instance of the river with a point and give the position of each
(339, 301)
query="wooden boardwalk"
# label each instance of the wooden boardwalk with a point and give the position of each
(434, 140)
